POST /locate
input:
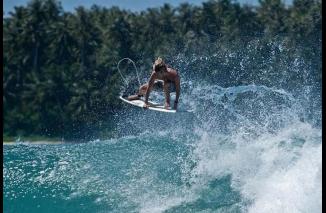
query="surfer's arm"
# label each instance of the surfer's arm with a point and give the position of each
(166, 94)
(177, 92)
(150, 85)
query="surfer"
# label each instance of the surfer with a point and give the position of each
(162, 77)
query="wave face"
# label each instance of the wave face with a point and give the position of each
(250, 148)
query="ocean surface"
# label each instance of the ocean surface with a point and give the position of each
(242, 149)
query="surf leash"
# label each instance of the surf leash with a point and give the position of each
(133, 63)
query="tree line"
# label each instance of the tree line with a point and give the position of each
(60, 73)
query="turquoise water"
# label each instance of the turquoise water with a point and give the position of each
(243, 149)
(126, 175)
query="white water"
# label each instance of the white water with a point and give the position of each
(255, 134)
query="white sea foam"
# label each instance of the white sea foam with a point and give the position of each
(274, 172)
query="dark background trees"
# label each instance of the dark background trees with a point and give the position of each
(59, 68)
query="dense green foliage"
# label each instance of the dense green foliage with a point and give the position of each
(59, 68)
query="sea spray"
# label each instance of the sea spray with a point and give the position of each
(251, 144)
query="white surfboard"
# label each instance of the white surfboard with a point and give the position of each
(152, 105)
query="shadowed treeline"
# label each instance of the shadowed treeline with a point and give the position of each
(59, 68)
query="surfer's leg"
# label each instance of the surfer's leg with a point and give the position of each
(141, 92)
(158, 85)
(133, 97)
(142, 89)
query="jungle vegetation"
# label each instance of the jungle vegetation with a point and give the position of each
(60, 74)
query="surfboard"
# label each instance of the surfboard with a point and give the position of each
(152, 105)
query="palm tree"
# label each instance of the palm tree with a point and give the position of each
(273, 14)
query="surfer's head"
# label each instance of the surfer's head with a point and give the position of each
(159, 65)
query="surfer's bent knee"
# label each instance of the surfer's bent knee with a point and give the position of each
(142, 90)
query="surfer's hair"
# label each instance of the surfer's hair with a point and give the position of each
(158, 64)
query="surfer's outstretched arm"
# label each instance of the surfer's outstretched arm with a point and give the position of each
(150, 85)
(166, 94)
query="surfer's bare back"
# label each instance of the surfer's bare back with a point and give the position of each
(162, 77)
